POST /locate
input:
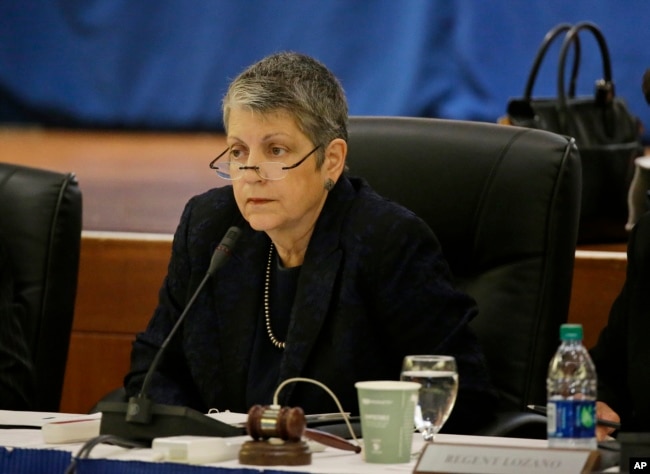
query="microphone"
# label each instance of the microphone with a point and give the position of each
(646, 86)
(143, 420)
(140, 406)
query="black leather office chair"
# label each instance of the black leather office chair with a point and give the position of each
(40, 222)
(504, 203)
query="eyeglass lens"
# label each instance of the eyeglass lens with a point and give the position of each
(233, 170)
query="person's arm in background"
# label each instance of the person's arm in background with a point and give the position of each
(611, 352)
(610, 357)
(605, 412)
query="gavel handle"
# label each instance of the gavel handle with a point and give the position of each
(331, 440)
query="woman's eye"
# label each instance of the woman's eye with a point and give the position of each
(236, 154)
(277, 152)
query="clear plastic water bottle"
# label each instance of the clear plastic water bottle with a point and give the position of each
(572, 389)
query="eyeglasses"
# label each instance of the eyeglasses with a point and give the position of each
(270, 170)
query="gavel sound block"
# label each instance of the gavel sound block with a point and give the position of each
(277, 437)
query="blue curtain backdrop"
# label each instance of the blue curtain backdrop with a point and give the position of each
(164, 64)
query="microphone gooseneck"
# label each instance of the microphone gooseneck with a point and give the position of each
(139, 407)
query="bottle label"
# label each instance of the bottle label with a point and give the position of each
(571, 419)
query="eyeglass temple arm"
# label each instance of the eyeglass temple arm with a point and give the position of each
(218, 156)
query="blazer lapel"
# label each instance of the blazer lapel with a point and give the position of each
(310, 308)
(238, 295)
(315, 285)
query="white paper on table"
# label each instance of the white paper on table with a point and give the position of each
(37, 419)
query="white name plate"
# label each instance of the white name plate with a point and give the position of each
(447, 458)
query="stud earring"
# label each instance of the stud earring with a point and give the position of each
(329, 184)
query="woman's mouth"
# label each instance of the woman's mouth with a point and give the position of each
(258, 200)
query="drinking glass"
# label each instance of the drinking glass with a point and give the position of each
(438, 378)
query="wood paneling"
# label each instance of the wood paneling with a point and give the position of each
(97, 363)
(119, 279)
(598, 277)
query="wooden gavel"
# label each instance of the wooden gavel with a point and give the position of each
(289, 424)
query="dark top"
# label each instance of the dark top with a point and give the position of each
(373, 287)
(16, 371)
(264, 374)
(622, 353)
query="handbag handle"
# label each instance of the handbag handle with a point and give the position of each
(605, 86)
(604, 94)
(541, 53)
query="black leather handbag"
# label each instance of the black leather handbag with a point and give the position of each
(608, 136)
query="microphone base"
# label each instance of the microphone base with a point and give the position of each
(166, 420)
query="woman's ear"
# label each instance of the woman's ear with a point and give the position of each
(335, 155)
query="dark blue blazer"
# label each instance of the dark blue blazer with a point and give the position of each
(622, 353)
(374, 287)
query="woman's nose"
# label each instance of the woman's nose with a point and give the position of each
(251, 173)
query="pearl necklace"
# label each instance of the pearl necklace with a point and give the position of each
(267, 315)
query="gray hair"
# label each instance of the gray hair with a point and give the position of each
(299, 85)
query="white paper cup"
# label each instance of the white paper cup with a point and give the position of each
(387, 408)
